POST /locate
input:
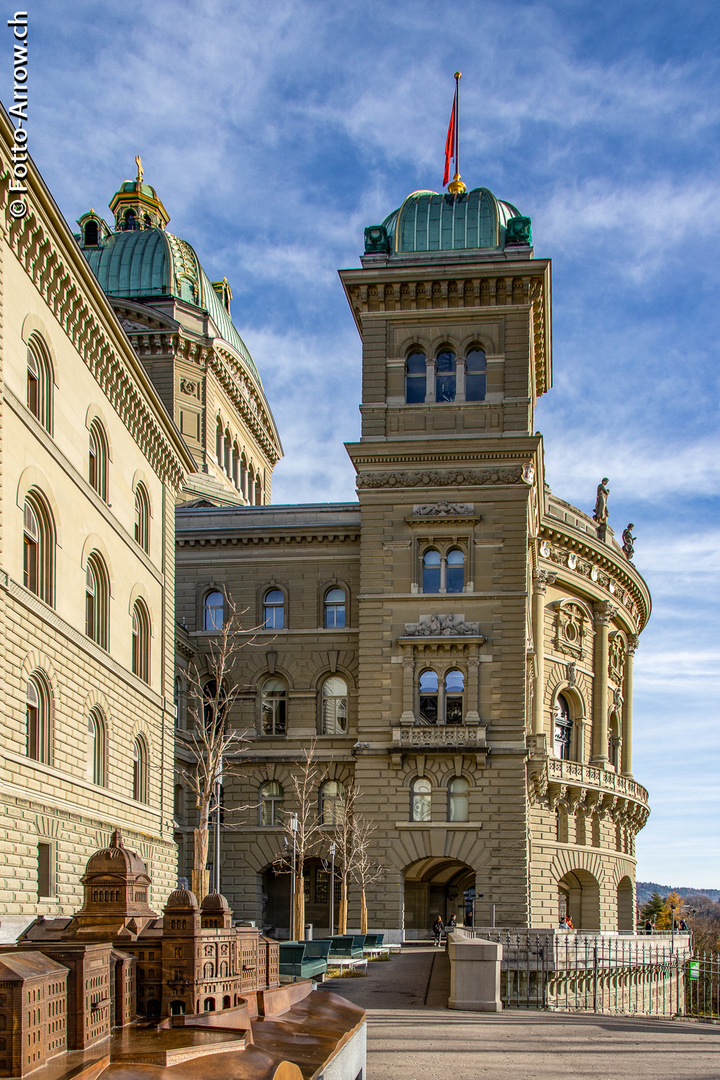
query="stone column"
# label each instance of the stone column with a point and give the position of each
(541, 579)
(460, 379)
(604, 614)
(472, 714)
(626, 764)
(408, 714)
(429, 381)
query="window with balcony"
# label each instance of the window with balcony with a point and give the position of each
(563, 728)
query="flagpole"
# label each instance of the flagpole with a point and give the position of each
(456, 186)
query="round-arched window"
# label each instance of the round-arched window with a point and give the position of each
(563, 728)
(274, 609)
(420, 796)
(415, 378)
(429, 697)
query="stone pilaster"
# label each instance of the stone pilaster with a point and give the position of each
(627, 719)
(541, 579)
(604, 614)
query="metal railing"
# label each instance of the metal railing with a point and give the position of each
(702, 986)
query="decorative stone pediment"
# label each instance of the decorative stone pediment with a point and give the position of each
(443, 509)
(441, 478)
(442, 626)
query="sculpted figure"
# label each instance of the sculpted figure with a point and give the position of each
(601, 503)
(629, 542)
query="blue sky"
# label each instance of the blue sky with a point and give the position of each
(274, 133)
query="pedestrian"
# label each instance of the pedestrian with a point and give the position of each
(437, 928)
(569, 922)
(648, 927)
(684, 927)
(451, 923)
(564, 923)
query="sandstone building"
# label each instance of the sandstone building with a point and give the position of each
(460, 641)
(91, 466)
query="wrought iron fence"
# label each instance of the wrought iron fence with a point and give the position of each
(702, 986)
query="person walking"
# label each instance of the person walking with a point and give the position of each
(437, 929)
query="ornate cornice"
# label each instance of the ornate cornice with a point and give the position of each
(249, 403)
(51, 272)
(441, 478)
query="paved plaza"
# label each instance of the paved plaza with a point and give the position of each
(411, 1036)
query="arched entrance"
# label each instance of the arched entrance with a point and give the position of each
(579, 897)
(435, 886)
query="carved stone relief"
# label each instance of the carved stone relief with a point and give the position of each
(443, 509)
(441, 626)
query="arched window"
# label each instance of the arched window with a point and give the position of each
(141, 641)
(475, 375)
(179, 802)
(455, 573)
(250, 485)
(147, 221)
(332, 796)
(334, 706)
(271, 803)
(415, 378)
(39, 383)
(258, 490)
(457, 809)
(273, 707)
(334, 614)
(91, 234)
(98, 459)
(614, 741)
(274, 609)
(214, 611)
(219, 442)
(130, 220)
(227, 452)
(429, 697)
(142, 518)
(445, 376)
(454, 688)
(420, 795)
(443, 572)
(140, 770)
(96, 600)
(38, 548)
(39, 719)
(563, 728)
(96, 771)
(236, 465)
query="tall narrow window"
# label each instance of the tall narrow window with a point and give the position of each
(334, 706)
(445, 376)
(214, 611)
(179, 803)
(332, 796)
(45, 874)
(563, 728)
(140, 770)
(415, 378)
(274, 609)
(219, 442)
(98, 459)
(141, 641)
(454, 688)
(458, 789)
(236, 465)
(38, 548)
(334, 608)
(96, 753)
(142, 518)
(420, 796)
(96, 600)
(130, 221)
(455, 573)
(428, 697)
(38, 719)
(271, 803)
(227, 454)
(431, 571)
(251, 486)
(91, 234)
(273, 707)
(475, 375)
(39, 383)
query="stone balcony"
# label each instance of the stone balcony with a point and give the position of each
(574, 774)
(441, 738)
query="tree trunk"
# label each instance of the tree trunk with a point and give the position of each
(299, 908)
(343, 906)
(200, 878)
(363, 911)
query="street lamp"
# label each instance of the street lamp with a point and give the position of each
(332, 889)
(293, 829)
(672, 925)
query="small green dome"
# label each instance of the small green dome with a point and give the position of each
(151, 262)
(428, 221)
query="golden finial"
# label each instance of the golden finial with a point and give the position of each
(138, 162)
(456, 185)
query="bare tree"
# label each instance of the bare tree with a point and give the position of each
(345, 841)
(302, 831)
(366, 870)
(214, 746)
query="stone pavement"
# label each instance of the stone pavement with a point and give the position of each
(412, 1037)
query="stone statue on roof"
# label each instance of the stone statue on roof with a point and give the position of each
(629, 542)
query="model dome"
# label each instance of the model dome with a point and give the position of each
(215, 902)
(115, 859)
(182, 898)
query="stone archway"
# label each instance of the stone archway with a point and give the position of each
(625, 905)
(579, 893)
(434, 886)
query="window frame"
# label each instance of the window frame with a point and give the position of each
(417, 379)
(141, 530)
(274, 705)
(98, 458)
(208, 609)
(39, 576)
(563, 721)
(42, 406)
(443, 569)
(271, 804)
(421, 800)
(334, 607)
(96, 770)
(97, 601)
(140, 777)
(453, 796)
(335, 702)
(38, 725)
(141, 634)
(274, 608)
(328, 803)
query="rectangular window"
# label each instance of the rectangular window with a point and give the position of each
(45, 874)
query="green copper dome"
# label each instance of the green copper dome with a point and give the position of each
(151, 262)
(428, 221)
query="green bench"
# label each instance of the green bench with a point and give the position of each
(301, 962)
